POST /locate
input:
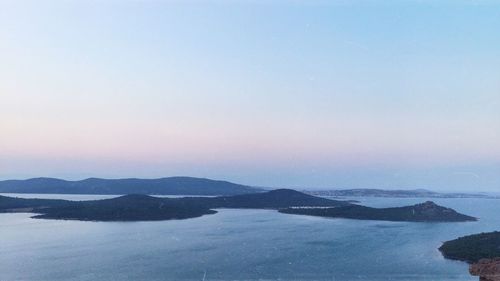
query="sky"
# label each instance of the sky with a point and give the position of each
(301, 94)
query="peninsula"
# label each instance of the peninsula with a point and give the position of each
(472, 248)
(424, 212)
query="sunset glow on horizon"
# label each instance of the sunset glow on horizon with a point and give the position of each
(301, 94)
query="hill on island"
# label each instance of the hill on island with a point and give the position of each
(274, 199)
(161, 186)
(424, 212)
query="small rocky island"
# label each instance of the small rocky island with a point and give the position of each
(424, 212)
(147, 208)
(481, 251)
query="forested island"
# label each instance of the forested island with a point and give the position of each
(143, 207)
(472, 248)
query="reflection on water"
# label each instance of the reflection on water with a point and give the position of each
(239, 245)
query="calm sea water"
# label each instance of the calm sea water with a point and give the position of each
(239, 245)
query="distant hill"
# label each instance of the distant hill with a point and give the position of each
(424, 212)
(162, 186)
(275, 199)
(413, 193)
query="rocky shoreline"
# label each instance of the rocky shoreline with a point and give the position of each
(486, 269)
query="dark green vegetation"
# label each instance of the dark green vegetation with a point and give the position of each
(472, 248)
(134, 207)
(144, 207)
(163, 186)
(425, 212)
(10, 204)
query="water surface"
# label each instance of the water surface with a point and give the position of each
(239, 245)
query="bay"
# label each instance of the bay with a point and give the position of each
(239, 245)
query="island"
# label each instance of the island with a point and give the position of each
(424, 212)
(140, 207)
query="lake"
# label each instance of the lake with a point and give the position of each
(239, 245)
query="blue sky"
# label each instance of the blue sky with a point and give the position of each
(330, 94)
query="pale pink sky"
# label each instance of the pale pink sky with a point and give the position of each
(323, 95)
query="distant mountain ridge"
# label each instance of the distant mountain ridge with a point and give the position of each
(413, 193)
(160, 186)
